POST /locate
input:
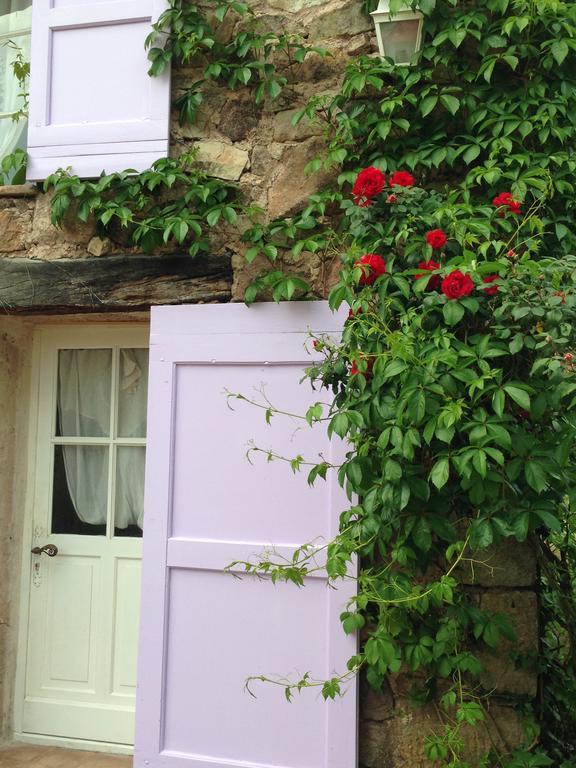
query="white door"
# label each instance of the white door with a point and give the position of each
(80, 678)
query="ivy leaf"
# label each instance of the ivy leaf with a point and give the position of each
(453, 312)
(214, 217)
(481, 534)
(498, 402)
(451, 103)
(440, 473)
(535, 475)
(427, 105)
(520, 396)
(559, 50)
(422, 535)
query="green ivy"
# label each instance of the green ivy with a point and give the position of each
(488, 104)
(172, 203)
(460, 416)
(252, 57)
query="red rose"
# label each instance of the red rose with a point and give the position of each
(436, 239)
(502, 199)
(391, 199)
(369, 183)
(372, 267)
(369, 365)
(505, 200)
(401, 179)
(494, 289)
(568, 357)
(456, 285)
(429, 266)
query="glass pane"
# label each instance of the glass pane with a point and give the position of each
(80, 495)
(12, 6)
(84, 385)
(132, 392)
(399, 39)
(129, 507)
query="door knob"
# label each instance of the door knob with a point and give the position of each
(48, 549)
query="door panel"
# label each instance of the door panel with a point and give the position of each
(84, 602)
(72, 584)
(126, 623)
(204, 630)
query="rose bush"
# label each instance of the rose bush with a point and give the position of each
(461, 432)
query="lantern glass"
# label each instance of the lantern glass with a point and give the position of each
(400, 39)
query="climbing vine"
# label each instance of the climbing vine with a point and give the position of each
(489, 103)
(252, 57)
(174, 202)
(454, 386)
(454, 382)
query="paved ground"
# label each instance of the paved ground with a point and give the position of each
(25, 756)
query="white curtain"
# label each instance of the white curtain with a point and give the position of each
(84, 399)
(12, 23)
(131, 423)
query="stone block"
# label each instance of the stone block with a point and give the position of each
(11, 231)
(293, 6)
(375, 705)
(337, 18)
(285, 130)
(50, 242)
(398, 742)
(511, 564)
(99, 246)
(222, 160)
(501, 673)
(238, 118)
(291, 188)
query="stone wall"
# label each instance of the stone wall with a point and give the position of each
(392, 732)
(15, 359)
(258, 148)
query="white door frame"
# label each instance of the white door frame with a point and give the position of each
(78, 334)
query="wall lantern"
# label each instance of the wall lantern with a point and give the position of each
(399, 33)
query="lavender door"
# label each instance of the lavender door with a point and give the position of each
(204, 631)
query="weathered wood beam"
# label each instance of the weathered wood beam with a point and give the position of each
(111, 283)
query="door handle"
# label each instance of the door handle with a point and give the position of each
(48, 549)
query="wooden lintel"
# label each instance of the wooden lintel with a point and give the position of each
(111, 283)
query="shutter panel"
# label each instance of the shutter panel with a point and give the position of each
(203, 632)
(93, 105)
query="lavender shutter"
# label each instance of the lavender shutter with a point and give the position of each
(204, 631)
(92, 104)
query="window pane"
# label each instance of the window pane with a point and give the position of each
(84, 387)
(11, 6)
(132, 392)
(80, 494)
(129, 507)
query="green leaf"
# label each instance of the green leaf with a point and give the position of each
(451, 103)
(213, 217)
(427, 105)
(453, 312)
(481, 534)
(498, 402)
(339, 424)
(440, 473)
(535, 475)
(559, 50)
(520, 396)
(422, 535)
